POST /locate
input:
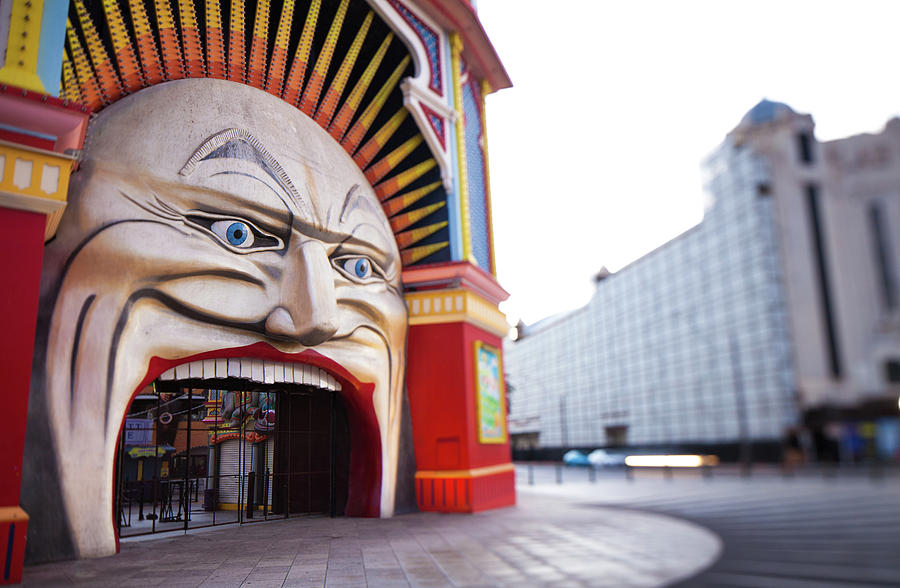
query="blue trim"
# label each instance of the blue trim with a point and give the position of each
(52, 44)
(30, 133)
(453, 213)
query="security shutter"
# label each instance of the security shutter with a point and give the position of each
(230, 472)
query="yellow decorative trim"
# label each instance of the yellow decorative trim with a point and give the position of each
(456, 47)
(12, 514)
(33, 179)
(456, 305)
(472, 473)
(22, 46)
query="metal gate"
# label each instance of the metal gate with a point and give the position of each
(193, 456)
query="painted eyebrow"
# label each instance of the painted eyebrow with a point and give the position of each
(241, 144)
(353, 200)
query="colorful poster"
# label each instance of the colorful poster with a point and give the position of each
(489, 394)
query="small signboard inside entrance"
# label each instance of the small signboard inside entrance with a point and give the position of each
(138, 432)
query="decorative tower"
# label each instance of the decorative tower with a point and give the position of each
(40, 136)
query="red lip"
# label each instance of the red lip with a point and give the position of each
(364, 496)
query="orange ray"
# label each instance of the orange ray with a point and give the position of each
(278, 61)
(126, 60)
(256, 67)
(294, 84)
(190, 36)
(146, 42)
(215, 42)
(339, 125)
(317, 77)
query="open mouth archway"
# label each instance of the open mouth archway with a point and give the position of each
(202, 451)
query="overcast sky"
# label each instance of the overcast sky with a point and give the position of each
(595, 152)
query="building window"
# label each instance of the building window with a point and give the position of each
(813, 205)
(616, 435)
(881, 245)
(892, 371)
(805, 145)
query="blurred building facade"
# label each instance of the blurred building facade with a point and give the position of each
(778, 312)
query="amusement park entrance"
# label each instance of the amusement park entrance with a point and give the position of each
(190, 456)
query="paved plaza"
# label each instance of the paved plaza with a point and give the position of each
(810, 530)
(542, 541)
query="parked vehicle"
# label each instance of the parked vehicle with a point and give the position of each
(601, 458)
(574, 457)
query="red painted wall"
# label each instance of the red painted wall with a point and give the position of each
(440, 379)
(20, 267)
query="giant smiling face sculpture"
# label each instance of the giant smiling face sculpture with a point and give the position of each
(212, 221)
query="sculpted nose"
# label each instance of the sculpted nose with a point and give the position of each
(308, 307)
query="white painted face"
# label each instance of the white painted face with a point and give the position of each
(211, 220)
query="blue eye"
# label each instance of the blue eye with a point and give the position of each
(235, 233)
(358, 267)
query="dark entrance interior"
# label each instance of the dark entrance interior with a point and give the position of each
(191, 455)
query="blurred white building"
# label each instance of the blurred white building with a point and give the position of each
(782, 307)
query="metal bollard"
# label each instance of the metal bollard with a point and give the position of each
(667, 471)
(592, 474)
(559, 474)
(530, 475)
(251, 479)
(629, 475)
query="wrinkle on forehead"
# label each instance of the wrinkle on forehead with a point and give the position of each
(241, 144)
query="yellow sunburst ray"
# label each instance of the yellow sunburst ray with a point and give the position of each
(384, 165)
(329, 103)
(403, 221)
(411, 256)
(90, 91)
(316, 81)
(107, 80)
(339, 125)
(235, 71)
(407, 238)
(190, 36)
(146, 42)
(278, 61)
(392, 186)
(294, 84)
(126, 60)
(356, 133)
(395, 205)
(259, 46)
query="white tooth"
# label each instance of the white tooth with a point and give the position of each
(322, 380)
(337, 385)
(222, 368)
(234, 367)
(290, 375)
(183, 371)
(209, 368)
(169, 374)
(246, 369)
(301, 374)
(256, 370)
(268, 372)
(196, 369)
(279, 372)
(330, 381)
